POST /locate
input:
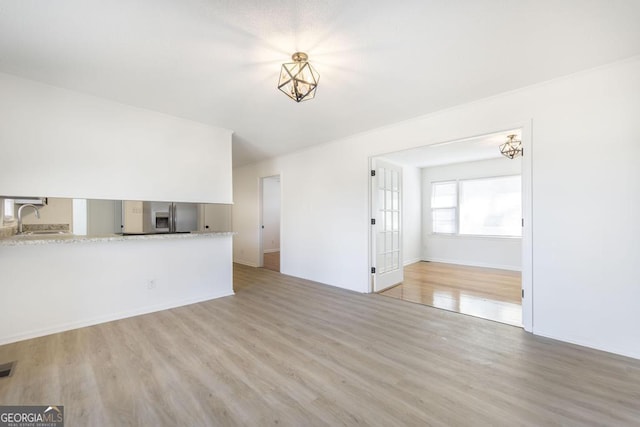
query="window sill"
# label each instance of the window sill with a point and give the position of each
(474, 236)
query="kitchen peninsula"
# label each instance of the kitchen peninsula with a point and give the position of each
(21, 240)
(67, 144)
(62, 282)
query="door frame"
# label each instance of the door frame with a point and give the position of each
(261, 216)
(396, 276)
(527, 213)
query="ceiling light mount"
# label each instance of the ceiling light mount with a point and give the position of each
(300, 57)
(512, 148)
(298, 79)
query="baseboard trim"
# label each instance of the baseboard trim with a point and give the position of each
(109, 318)
(411, 261)
(586, 344)
(474, 264)
(245, 262)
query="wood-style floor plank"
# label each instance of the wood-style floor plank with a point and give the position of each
(271, 261)
(293, 352)
(488, 293)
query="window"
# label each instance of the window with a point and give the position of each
(444, 206)
(491, 206)
(479, 207)
(9, 207)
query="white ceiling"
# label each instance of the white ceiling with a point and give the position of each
(217, 61)
(467, 150)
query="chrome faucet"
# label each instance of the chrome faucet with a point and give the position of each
(20, 215)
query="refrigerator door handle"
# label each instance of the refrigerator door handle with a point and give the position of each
(171, 218)
(175, 217)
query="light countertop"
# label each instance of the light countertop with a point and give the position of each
(35, 239)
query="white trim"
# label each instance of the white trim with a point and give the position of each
(260, 221)
(262, 251)
(109, 318)
(370, 230)
(527, 230)
(79, 217)
(411, 261)
(246, 262)
(474, 264)
(270, 251)
(577, 341)
(472, 236)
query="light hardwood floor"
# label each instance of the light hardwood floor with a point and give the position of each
(482, 292)
(271, 261)
(293, 352)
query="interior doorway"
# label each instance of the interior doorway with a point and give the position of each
(472, 253)
(270, 188)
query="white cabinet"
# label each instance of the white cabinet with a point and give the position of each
(215, 217)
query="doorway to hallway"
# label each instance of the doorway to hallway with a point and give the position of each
(270, 228)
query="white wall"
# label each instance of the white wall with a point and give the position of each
(586, 199)
(411, 214)
(493, 252)
(271, 214)
(55, 287)
(79, 217)
(61, 143)
(324, 216)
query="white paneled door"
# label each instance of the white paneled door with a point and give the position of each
(386, 224)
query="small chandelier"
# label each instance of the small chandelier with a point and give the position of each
(512, 148)
(298, 79)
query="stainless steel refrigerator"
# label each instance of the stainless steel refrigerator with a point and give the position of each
(158, 217)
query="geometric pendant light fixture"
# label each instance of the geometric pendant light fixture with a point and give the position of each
(512, 148)
(298, 79)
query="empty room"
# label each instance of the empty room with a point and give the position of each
(205, 207)
(459, 231)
